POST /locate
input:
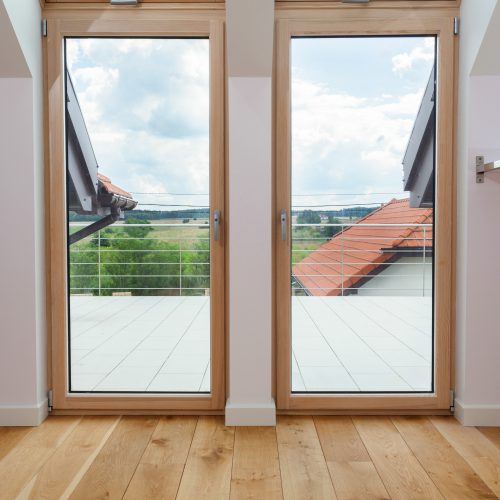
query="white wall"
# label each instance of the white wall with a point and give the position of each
(249, 54)
(478, 266)
(22, 297)
(22, 335)
(406, 278)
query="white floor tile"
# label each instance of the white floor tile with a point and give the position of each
(185, 364)
(327, 379)
(380, 382)
(145, 358)
(176, 382)
(418, 377)
(85, 381)
(128, 378)
(402, 357)
(370, 336)
(309, 357)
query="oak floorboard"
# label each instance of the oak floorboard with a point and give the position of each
(256, 470)
(450, 472)
(29, 456)
(10, 437)
(62, 471)
(402, 474)
(207, 474)
(304, 472)
(353, 474)
(159, 472)
(492, 433)
(477, 450)
(111, 471)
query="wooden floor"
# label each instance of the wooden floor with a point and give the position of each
(199, 458)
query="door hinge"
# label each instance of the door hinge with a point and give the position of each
(49, 399)
(456, 25)
(44, 27)
(452, 400)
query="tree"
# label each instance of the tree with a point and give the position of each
(330, 231)
(309, 217)
(137, 259)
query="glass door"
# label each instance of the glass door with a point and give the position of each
(144, 221)
(359, 224)
(137, 131)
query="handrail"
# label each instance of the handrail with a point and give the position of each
(353, 224)
(109, 273)
(122, 224)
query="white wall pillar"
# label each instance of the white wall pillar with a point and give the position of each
(478, 268)
(23, 387)
(250, 51)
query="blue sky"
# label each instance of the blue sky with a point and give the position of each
(354, 101)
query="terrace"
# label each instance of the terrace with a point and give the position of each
(140, 313)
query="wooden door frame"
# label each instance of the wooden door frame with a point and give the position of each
(340, 21)
(147, 21)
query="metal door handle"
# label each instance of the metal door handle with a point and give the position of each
(283, 224)
(217, 218)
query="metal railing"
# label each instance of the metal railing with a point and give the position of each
(141, 259)
(353, 258)
(174, 259)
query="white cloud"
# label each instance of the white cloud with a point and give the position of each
(342, 143)
(404, 62)
(146, 106)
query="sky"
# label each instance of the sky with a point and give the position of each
(146, 107)
(354, 102)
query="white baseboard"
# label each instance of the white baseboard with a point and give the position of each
(477, 415)
(11, 416)
(250, 414)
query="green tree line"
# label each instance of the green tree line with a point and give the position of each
(133, 260)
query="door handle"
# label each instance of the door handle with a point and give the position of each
(217, 219)
(283, 224)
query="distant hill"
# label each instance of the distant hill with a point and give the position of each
(192, 213)
(355, 212)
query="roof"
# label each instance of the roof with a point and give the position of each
(345, 261)
(112, 196)
(418, 161)
(111, 188)
(89, 192)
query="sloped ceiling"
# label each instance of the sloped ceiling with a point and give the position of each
(12, 61)
(488, 59)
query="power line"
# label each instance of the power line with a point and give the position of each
(339, 205)
(294, 195)
(165, 205)
(172, 194)
(347, 194)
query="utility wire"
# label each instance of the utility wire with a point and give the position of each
(294, 195)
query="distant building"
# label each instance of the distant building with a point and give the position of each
(387, 252)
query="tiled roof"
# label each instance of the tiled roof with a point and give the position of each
(350, 255)
(111, 188)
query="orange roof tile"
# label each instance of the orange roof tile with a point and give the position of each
(359, 250)
(112, 188)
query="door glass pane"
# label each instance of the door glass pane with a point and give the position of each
(363, 154)
(137, 142)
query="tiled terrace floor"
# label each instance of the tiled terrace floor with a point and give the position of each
(162, 344)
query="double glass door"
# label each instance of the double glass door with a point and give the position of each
(363, 212)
